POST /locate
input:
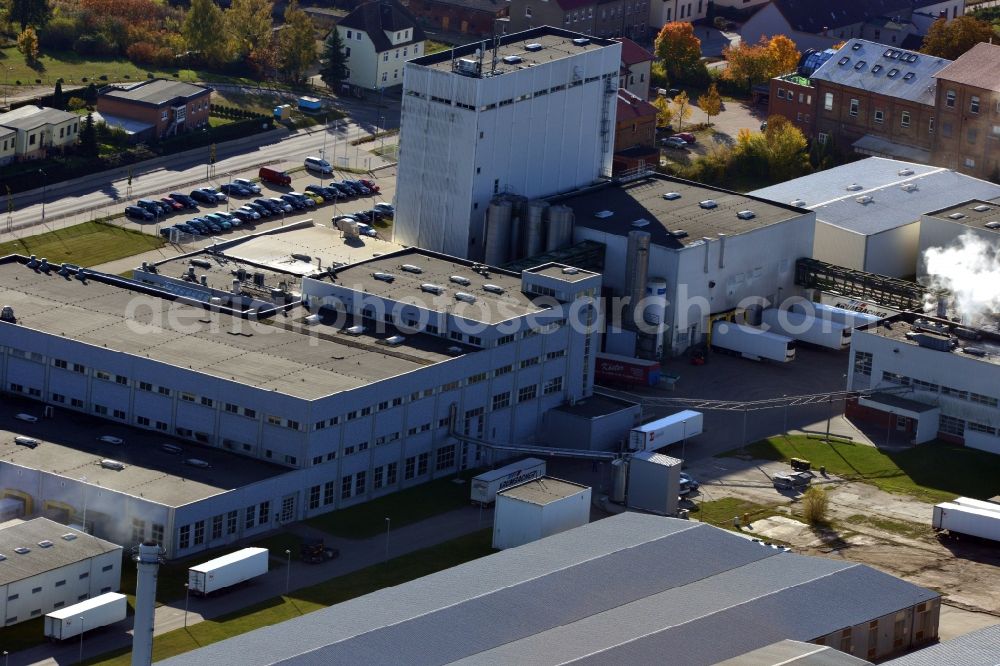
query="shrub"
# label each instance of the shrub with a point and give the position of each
(815, 505)
(141, 53)
(60, 33)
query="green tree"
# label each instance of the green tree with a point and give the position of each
(249, 25)
(204, 30)
(815, 506)
(664, 112)
(27, 43)
(90, 95)
(711, 102)
(57, 95)
(951, 39)
(88, 137)
(334, 69)
(678, 49)
(296, 44)
(681, 106)
(29, 12)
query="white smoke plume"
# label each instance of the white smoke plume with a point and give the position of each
(969, 269)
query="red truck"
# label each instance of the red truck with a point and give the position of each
(274, 176)
(615, 369)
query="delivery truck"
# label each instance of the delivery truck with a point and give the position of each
(100, 611)
(969, 517)
(228, 570)
(806, 328)
(752, 343)
(666, 431)
(614, 369)
(486, 486)
(844, 316)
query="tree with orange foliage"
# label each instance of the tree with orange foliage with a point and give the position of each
(759, 62)
(951, 39)
(678, 48)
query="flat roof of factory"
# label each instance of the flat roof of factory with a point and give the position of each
(677, 221)
(553, 44)
(275, 354)
(436, 269)
(543, 491)
(975, 213)
(221, 271)
(979, 344)
(63, 546)
(561, 272)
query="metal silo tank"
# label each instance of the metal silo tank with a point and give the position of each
(498, 223)
(636, 274)
(534, 228)
(559, 232)
(619, 480)
(518, 211)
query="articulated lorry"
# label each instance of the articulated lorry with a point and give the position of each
(100, 611)
(753, 343)
(968, 516)
(228, 570)
(807, 328)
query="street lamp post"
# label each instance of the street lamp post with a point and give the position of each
(84, 489)
(81, 640)
(288, 571)
(6, 658)
(45, 178)
(6, 74)
(187, 597)
(784, 428)
(684, 439)
(388, 523)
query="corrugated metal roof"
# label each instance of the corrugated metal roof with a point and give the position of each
(618, 590)
(976, 648)
(795, 653)
(38, 559)
(978, 67)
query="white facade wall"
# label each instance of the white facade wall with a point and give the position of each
(938, 233)
(839, 246)
(665, 11)
(35, 596)
(517, 522)
(893, 252)
(371, 69)
(535, 132)
(8, 141)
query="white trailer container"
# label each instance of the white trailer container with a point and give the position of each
(971, 517)
(227, 570)
(486, 485)
(844, 316)
(752, 343)
(100, 611)
(805, 328)
(666, 431)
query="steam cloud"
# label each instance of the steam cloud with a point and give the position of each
(970, 270)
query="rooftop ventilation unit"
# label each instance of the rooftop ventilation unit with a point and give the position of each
(854, 187)
(468, 65)
(354, 330)
(45, 543)
(602, 214)
(639, 224)
(534, 46)
(570, 270)
(581, 41)
(956, 216)
(992, 224)
(454, 350)
(864, 199)
(462, 296)
(107, 463)
(512, 59)
(410, 268)
(708, 204)
(974, 351)
(934, 341)
(679, 233)
(69, 536)
(197, 462)
(2, 557)
(797, 202)
(908, 187)
(856, 46)
(312, 319)
(458, 279)
(670, 196)
(394, 340)
(746, 214)
(200, 263)
(493, 288)
(905, 172)
(982, 208)
(21, 550)
(432, 288)
(384, 277)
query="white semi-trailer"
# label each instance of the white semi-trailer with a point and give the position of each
(806, 328)
(486, 485)
(666, 431)
(227, 570)
(73, 620)
(844, 316)
(753, 343)
(968, 516)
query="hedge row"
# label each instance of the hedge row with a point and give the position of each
(234, 112)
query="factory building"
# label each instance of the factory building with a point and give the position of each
(45, 566)
(628, 589)
(532, 117)
(975, 219)
(933, 378)
(395, 372)
(869, 212)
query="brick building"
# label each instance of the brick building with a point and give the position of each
(601, 18)
(793, 96)
(156, 108)
(468, 17)
(635, 133)
(968, 110)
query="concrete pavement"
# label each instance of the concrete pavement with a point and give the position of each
(354, 555)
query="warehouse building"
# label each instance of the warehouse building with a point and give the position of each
(868, 213)
(45, 566)
(624, 590)
(940, 380)
(709, 251)
(975, 219)
(377, 386)
(976, 648)
(476, 123)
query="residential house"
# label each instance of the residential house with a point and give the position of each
(38, 129)
(810, 26)
(635, 133)
(379, 37)
(8, 137)
(601, 18)
(793, 96)
(665, 11)
(636, 65)
(156, 108)
(877, 100)
(968, 110)
(468, 17)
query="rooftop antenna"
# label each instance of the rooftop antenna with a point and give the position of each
(499, 30)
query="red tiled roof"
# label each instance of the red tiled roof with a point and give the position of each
(978, 67)
(632, 53)
(631, 107)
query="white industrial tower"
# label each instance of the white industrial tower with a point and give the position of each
(531, 114)
(147, 559)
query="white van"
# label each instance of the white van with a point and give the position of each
(318, 164)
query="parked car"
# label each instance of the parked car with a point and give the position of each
(387, 208)
(363, 216)
(198, 226)
(170, 203)
(186, 228)
(318, 164)
(219, 196)
(138, 213)
(172, 449)
(281, 204)
(268, 204)
(245, 215)
(222, 222)
(184, 199)
(691, 482)
(29, 442)
(307, 202)
(674, 142)
(376, 214)
(316, 197)
(203, 195)
(28, 418)
(109, 439)
(230, 218)
(150, 206)
(246, 208)
(687, 136)
(247, 185)
(294, 202)
(165, 232)
(367, 230)
(260, 209)
(370, 185)
(360, 188)
(234, 190)
(274, 176)
(323, 192)
(355, 190)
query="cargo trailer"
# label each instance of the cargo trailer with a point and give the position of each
(968, 517)
(486, 485)
(100, 611)
(615, 369)
(752, 343)
(837, 315)
(666, 431)
(805, 328)
(228, 570)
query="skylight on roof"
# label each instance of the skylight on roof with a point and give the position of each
(861, 65)
(908, 76)
(843, 61)
(893, 73)
(876, 69)
(857, 45)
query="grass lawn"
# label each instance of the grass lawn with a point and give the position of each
(434, 47)
(720, 512)
(932, 472)
(398, 570)
(73, 68)
(86, 244)
(405, 507)
(911, 530)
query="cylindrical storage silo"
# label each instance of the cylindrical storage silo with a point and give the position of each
(636, 275)
(518, 212)
(656, 302)
(534, 228)
(498, 232)
(619, 480)
(559, 231)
